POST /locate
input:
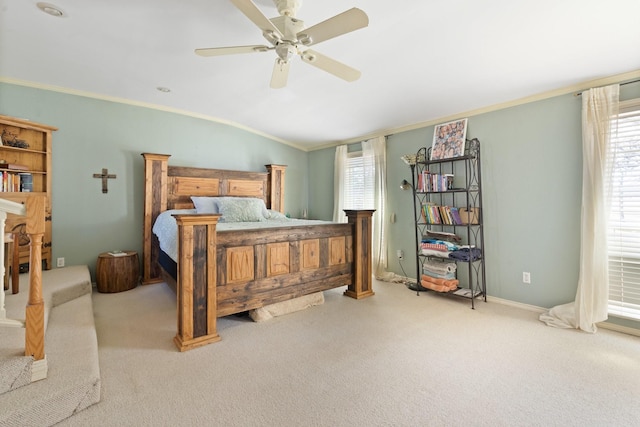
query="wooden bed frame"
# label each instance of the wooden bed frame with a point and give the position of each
(225, 272)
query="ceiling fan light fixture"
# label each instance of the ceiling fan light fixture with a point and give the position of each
(305, 39)
(285, 51)
(272, 37)
(309, 57)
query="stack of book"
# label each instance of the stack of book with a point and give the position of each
(14, 182)
(14, 178)
(445, 215)
(434, 182)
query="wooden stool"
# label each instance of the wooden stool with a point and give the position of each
(117, 273)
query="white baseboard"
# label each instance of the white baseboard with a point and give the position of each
(619, 328)
(537, 309)
(527, 307)
(39, 369)
(603, 325)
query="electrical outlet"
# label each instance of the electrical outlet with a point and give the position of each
(60, 262)
(526, 277)
(400, 254)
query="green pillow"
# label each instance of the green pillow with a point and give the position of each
(241, 209)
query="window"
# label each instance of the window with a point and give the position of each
(359, 191)
(624, 212)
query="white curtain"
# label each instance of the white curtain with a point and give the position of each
(599, 107)
(376, 149)
(339, 170)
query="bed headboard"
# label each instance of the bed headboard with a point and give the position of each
(171, 187)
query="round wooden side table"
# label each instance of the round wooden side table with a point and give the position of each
(117, 273)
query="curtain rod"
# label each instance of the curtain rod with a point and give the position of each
(621, 84)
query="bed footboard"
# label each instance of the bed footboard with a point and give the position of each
(221, 273)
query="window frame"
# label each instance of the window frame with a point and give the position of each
(622, 246)
(363, 195)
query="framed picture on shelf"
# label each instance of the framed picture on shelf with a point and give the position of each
(449, 139)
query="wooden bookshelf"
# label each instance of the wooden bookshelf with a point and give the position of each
(26, 149)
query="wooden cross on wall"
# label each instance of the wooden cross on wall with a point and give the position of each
(104, 176)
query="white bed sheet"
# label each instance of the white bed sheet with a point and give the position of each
(166, 228)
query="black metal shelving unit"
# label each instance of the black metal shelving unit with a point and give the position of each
(465, 192)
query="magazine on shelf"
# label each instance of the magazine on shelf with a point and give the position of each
(117, 253)
(466, 292)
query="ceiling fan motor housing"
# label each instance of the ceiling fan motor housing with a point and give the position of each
(288, 26)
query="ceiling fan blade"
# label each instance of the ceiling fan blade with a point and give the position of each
(252, 12)
(351, 20)
(280, 74)
(231, 50)
(329, 65)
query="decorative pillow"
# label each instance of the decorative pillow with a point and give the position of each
(241, 209)
(205, 205)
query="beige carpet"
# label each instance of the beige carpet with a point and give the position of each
(394, 359)
(73, 380)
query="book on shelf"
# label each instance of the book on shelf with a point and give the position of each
(434, 182)
(16, 182)
(14, 166)
(455, 216)
(424, 211)
(445, 215)
(25, 182)
(432, 214)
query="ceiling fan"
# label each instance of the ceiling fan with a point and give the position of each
(288, 37)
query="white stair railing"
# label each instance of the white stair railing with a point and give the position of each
(7, 207)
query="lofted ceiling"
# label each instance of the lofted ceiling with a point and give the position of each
(420, 60)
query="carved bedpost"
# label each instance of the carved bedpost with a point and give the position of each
(276, 187)
(155, 201)
(197, 281)
(361, 285)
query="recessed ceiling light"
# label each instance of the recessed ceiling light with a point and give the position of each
(163, 89)
(51, 9)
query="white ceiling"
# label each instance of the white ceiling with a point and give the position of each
(420, 60)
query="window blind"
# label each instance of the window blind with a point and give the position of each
(624, 213)
(359, 181)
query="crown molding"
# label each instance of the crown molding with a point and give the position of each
(126, 101)
(574, 89)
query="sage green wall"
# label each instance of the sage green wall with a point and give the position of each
(95, 134)
(532, 183)
(531, 166)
